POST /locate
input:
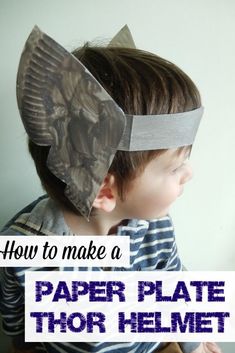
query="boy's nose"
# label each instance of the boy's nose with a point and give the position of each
(188, 174)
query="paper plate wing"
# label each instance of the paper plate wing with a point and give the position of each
(123, 39)
(63, 106)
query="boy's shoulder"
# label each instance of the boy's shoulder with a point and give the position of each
(147, 227)
(44, 217)
(41, 217)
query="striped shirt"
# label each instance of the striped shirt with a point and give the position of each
(152, 247)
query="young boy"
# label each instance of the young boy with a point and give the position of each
(130, 197)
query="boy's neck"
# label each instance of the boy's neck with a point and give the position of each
(99, 224)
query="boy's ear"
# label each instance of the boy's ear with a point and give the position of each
(107, 196)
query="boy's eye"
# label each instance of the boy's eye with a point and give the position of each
(178, 168)
(175, 170)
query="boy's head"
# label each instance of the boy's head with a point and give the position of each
(141, 83)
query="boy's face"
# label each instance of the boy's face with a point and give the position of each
(152, 193)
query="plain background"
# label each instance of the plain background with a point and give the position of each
(198, 36)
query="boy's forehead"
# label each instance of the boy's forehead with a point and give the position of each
(181, 151)
(174, 154)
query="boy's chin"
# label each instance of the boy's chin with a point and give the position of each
(158, 215)
(164, 213)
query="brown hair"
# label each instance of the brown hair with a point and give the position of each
(140, 83)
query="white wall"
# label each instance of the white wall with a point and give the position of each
(197, 35)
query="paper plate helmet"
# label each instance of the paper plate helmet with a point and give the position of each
(63, 106)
